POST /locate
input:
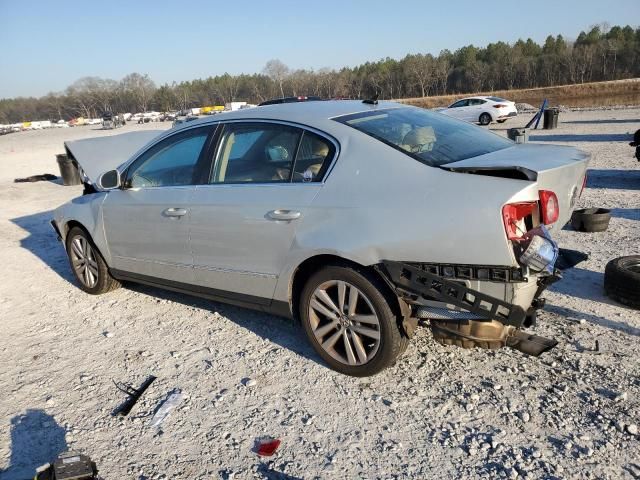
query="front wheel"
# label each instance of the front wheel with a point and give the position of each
(485, 119)
(347, 317)
(87, 264)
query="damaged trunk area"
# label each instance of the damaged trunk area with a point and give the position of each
(472, 318)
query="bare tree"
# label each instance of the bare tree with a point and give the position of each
(276, 71)
(140, 87)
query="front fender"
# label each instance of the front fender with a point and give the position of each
(87, 211)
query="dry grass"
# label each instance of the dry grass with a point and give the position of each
(617, 92)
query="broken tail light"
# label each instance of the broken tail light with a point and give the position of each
(549, 207)
(513, 215)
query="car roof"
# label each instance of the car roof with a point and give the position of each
(314, 114)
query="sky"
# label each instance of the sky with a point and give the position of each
(48, 44)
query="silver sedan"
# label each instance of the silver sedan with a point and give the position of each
(357, 218)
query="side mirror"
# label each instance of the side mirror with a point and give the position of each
(109, 180)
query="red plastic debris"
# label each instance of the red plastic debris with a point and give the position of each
(267, 446)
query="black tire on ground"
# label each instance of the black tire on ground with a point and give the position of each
(373, 299)
(501, 121)
(591, 219)
(485, 119)
(622, 280)
(88, 266)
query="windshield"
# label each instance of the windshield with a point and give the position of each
(430, 137)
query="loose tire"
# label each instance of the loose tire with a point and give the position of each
(88, 266)
(348, 319)
(591, 219)
(622, 280)
(485, 119)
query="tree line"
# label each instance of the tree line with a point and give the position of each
(601, 53)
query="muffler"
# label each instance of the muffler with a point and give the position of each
(530, 344)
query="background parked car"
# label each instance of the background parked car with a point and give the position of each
(482, 110)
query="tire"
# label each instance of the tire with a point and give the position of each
(485, 119)
(622, 280)
(93, 275)
(591, 219)
(319, 307)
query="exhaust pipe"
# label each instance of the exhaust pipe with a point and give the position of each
(530, 344)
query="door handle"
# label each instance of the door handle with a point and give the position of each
(175, 212)
(283, 214)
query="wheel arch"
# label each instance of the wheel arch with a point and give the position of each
(75, 223)
(311, 265)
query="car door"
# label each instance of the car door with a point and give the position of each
(459, 110)
(476, 107)
(244, 220)
(147, 220)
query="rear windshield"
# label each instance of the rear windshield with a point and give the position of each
(497, 99)
(430, 137)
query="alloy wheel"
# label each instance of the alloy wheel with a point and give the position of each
(344, 322)
(83, 258)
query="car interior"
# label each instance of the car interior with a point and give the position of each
(267, 155)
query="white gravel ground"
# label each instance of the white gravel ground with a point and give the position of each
(440, 412)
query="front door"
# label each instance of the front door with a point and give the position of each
(147, 220)
(244, 221)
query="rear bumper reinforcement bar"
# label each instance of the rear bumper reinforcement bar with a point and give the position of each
(409, 279)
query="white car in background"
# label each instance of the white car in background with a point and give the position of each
(482, 110)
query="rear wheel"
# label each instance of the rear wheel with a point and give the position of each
(347, 317)
(485, 119)
(87, 264)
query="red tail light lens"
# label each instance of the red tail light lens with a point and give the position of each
(512, 213)
(499, 106)
(549, 207)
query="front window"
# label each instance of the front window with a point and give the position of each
(429, 137)
(172, 162)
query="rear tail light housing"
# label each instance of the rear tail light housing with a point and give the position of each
(500, 106)
(519, 217)
(549, 207)
(513, 215)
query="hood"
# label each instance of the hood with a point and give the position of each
(94, 156)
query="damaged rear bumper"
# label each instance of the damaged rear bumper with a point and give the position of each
(478, 319)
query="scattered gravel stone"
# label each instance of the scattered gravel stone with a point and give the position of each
(632, 429)
(249, 382)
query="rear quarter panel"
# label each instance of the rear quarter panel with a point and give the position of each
(379, 203)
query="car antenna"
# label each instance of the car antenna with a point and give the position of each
(373, 100)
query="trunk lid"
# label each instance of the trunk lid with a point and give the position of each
(557, 168)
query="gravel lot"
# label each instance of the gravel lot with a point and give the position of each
(440, 412)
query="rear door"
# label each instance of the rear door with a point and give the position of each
(475, 109)
(244, 220)
(147, 221)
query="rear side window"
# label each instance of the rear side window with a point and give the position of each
(429, 137)
(260, 152)
(313, 159)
